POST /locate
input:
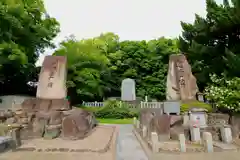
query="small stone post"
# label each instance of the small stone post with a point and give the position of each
(207, 141)
(144, 131)
(15, 134)
(134, 121)
(182, 142)
(226, 134)
(137, 124)
(195, 134)
(154, 139)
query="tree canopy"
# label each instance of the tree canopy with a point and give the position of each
(212, 43)
(25, 31)
(96, 66)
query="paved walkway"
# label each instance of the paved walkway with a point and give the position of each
(128, 147)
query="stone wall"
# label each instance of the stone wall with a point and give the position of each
(12, 101)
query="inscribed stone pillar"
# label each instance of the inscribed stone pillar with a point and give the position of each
(52, 78)
(181, 84)
(128, 90)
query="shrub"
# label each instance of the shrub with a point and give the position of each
(117, 110)
(195, 104)
(225, 93)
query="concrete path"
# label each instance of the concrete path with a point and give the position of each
(128, 147)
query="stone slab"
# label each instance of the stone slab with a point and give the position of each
(225, 146)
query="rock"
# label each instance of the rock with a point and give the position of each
(39, 127)
(181, 84)
(23, 120)
(161, 124)
(146, 116)
(77, 125)
(60, 105)
(55, 118)
(28, 105)
(43, 115)
(52, 131)
(8, 114)
(43, 104)
(21, 114)
(175, 131)
(11, 120)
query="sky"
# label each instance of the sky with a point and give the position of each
(130, 19)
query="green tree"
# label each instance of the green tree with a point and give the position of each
(25, 31)
(145, 62)
(212, 43)
(86, 64)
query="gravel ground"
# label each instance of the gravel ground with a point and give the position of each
(96, 141)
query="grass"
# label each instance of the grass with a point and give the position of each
(115, 121)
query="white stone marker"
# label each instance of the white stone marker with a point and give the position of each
(182, 142)
(195, 134)
(207, 141)
(226, 134)
(154, 139)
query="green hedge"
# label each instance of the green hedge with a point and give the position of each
(195, 104)
(113, 109)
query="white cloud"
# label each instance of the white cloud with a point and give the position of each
(130, 19)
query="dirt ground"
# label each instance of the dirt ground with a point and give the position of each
(89, 147)
(200, 156)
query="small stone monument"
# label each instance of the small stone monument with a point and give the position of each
(198, 117)
(128, 90)
(181, 84)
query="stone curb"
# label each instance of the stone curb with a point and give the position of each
(114, 146)
(143, 144)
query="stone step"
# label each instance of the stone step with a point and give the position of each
(225, 146)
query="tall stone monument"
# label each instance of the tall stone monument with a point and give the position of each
(52, 78)
(128, 90)
(181, 84)
(49, 115)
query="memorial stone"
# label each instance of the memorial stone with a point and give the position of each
(181, 84)
(198, 119)
(128, 90)
(52, 78)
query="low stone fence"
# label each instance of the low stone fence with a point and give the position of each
(93, 104)
(161, 131)
(156, 144)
